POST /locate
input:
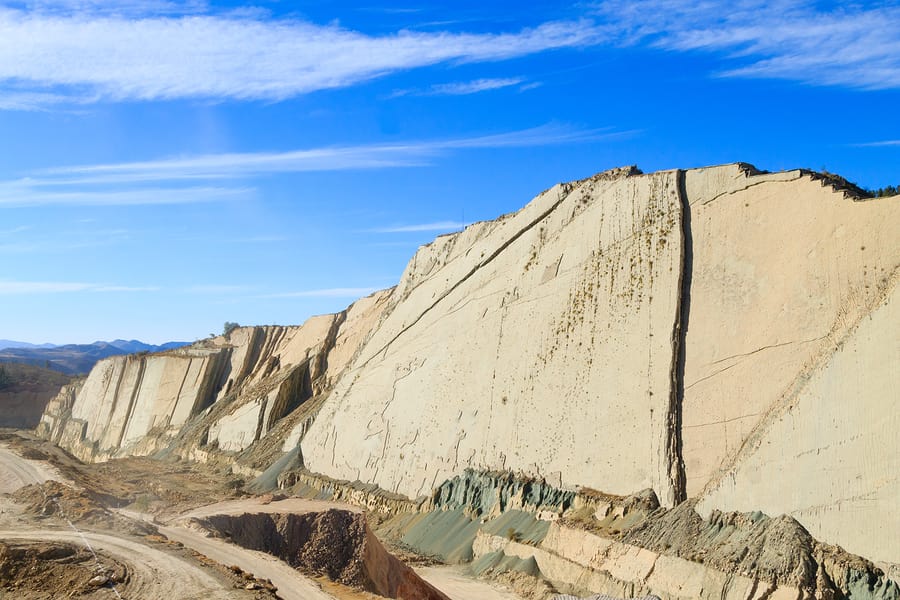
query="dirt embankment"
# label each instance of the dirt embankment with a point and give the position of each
(334, 543)
(64, 570)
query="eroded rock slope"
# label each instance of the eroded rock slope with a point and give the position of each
(718, 334)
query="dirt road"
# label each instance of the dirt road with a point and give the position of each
(297, 506)
(153, 573)
(16, 471)
(291, 584)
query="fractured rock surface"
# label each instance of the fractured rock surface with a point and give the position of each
(718, 334)
(541, 342)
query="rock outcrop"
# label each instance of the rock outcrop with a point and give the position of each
(334, 543)
(218, 395)
(719, 334)
(687, 331)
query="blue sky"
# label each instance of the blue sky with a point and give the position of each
(167, 166)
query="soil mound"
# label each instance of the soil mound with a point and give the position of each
(53, 498)
(65, 570)
(335, 543)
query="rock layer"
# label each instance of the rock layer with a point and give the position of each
(721, 334)
(632, 331)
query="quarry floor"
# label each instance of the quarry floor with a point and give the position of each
(76, 544)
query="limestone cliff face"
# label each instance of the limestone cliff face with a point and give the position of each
(543, 342)
(718, 334)
(222, 394)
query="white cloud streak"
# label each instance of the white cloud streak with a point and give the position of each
(463, 88)
(90, 54)
(114, 7)
(9, 288)
(25, 193)
(216, 288)
(326, 293)
(123, 184)
(881, 144)
(15, 230)
(420, 227)
(850, 45)
(55, 54)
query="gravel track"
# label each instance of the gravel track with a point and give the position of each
(16, 472)
(155, 574)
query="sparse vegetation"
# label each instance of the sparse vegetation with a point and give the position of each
(229, 327)
(890, 190)
(842, 183)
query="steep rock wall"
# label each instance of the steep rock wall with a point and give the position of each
(781, 269)
(124, 397)
(718, 333)
(830, 455)
(222, 394)
(574, 298)
(634, 331)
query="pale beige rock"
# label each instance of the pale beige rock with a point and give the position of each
(573, 299)
(623, 570)
(253, 378)
(782, 267)
(830, 456)
(549, 342)
(237, 430)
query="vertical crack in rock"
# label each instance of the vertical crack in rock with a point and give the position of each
(321, 367)
(214, 376)
(673, 440)
(256, 342)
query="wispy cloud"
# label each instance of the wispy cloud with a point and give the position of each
(58, 53)
(881, 144)
(217, 288)
(326, 293)
(92, 54)
(854, 45)
(436, 226)
(8, 288)
(39, 101)
(15, 230)
(463, 88)
(34, 193)
(126, 184)
(332, 158)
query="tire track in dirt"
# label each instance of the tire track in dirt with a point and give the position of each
(17, 472)
(153, 574)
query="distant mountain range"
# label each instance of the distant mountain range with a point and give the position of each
(74, 359)
(13, 344)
